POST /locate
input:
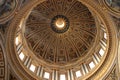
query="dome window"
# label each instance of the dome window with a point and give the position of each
(78, 74)
(46, 75)
(17, 41)
(32, 68)
(92, 65)
(105, 35)
(21, 56)
(62, 77)
(101, 52)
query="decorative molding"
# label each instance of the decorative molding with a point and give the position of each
(112, 75)
(103, 67)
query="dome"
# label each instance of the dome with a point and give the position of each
(60, 34)
(61, 40)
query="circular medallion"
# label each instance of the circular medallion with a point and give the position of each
(60, 24)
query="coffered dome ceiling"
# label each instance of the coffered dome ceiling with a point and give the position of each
(61, 40)
(60, 31)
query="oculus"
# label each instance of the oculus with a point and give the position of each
(60, 24)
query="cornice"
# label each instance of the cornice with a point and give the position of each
(104, 17)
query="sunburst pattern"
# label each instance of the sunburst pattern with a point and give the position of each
(61, 48)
